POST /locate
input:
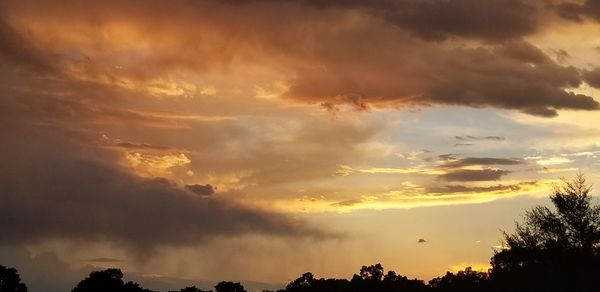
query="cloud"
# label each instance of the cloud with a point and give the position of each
(152, 165)
(57, 182)
(447, 157)
(453, 189)
(438, 20)
(471, 161)
(577, 11)
(478, 138)
(140, 146)
(70, 197)
(348, 203)
(553, 161)
(592, 77)
(483, 61)
(81, 199)
(201, 190)
(514, 75)
(103, 260)
(17, 49)
(474, 175)
(43, 271)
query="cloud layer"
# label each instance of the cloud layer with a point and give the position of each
(60, 180)
(358, 53)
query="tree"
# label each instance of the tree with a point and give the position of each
(555, 248)
(229, 287)
(464, 281)
(303, 283)
(308, 282)
(107, 280)
(10, 281)
(575, 225)
(372, 272)
(191, 289)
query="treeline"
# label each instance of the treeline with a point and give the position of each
(551, 250)
(370, 278)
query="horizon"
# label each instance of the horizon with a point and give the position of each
(257, 140)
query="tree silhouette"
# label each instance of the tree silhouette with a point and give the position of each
(107, 280)
(371, 278)
(229, 287)
(554, 250)
(305, 281)
(464, 281)
(191, 289)
(575, 225)
(10, 281)
(372, 272)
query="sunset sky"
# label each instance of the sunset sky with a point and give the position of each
(194, 141)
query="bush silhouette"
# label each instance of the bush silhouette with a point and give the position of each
(10, 281)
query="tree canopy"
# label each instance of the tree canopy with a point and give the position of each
(10, 281)
(107, 280)
(554, 249)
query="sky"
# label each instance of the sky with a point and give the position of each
(194, 141)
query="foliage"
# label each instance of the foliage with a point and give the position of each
(190, 289)
(554, 250)
(467, 280)
(229, 287)
(107, 280)
(10, 281)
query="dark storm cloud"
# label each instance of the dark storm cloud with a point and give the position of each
(469, 161)
(474, 175)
